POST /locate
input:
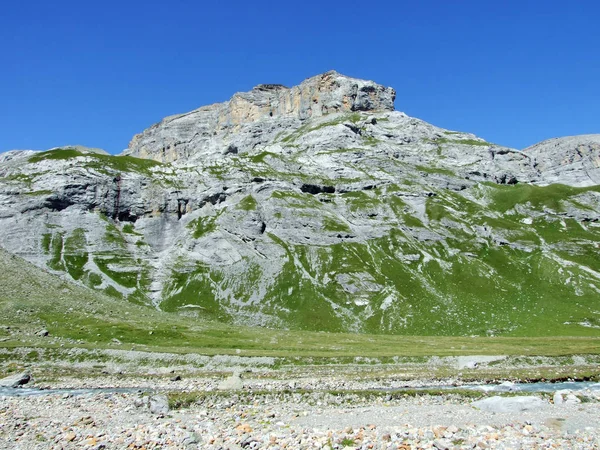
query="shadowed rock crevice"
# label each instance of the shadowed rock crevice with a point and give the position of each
(316, 189)
(213, 199)
(58, 203)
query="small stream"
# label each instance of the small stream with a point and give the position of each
(29, 392)
(541, 386)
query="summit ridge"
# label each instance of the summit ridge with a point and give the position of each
(269, 107)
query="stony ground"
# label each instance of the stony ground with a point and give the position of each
(282, 414)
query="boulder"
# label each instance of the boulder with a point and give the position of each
(232, 383)
(158, 404)
(509, 404)
(557, 398)
(16, 380)
(572, 399)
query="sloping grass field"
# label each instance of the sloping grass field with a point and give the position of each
(32, 300)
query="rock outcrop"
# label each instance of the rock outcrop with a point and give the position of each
(320, 207)
(256, 117)
(572, 160)
(15, 381)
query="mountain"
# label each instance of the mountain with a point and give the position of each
(321, 207)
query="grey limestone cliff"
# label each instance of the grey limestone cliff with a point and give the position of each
(572, 160)
(256, 117)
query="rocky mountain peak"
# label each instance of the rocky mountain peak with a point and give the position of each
(322, 94)
(319, 207)
(257, 115)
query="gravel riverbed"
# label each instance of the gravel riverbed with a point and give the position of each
(286, 418)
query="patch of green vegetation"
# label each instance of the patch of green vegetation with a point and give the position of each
(99, 161)
(20, 177)
(297, 199)
(113, 235)
(586, 255)
(354, 118)
(46, 241)
(397, 205)
(412, 221)
(370, 140)
(217, 170)
(127, 278)
(429, 169)
(126, 163)
(203, 225)
(260, 157)
(179, 400)
(506, 197)
(113, 292)
(75, 253)
(128, 228)
(435, 209)
(248, 203)
(56, 250)
(94, 280)
(56, 154)
(194, 289)
(360, 201)
(333, 224)
(39, 193)
(461, 141)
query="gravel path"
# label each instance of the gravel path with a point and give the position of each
(289, 420)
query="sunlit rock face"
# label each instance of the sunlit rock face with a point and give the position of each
(256, 117)
(572, 160)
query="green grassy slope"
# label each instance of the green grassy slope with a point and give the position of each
(515, 279)
(31, 299)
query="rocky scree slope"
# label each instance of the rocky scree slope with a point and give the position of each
(321, 207)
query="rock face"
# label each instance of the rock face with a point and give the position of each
(256, 117)
(572, 160)
(320, 207)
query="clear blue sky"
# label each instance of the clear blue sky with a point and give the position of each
(95, 73)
